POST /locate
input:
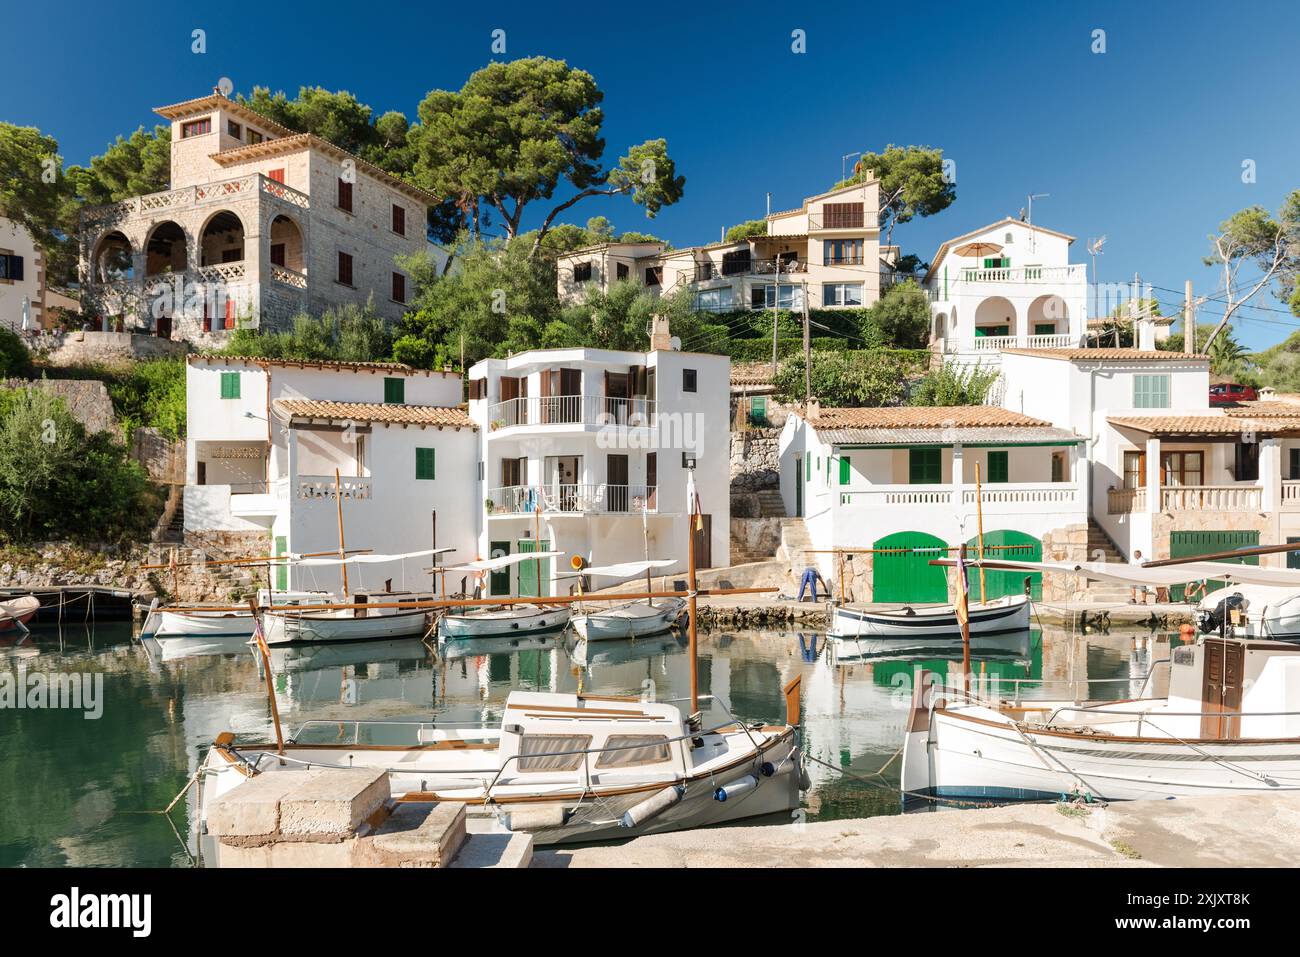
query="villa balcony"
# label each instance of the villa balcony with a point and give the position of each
(1200, 498)
(583, 411)
(224, 192)
(524, 500)
(1020, 274)
(1015, 498)
(999, 343)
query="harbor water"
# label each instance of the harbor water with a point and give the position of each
(83, 786)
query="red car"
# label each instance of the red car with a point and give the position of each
(1228, 393)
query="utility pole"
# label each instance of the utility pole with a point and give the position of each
(1189, 320)
(776, 298)
(807, 349)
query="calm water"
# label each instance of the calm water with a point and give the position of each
(85, 792)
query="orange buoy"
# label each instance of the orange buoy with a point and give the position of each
(1185, 630)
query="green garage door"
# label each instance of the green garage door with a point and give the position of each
(902, 571)
(1191, 544)
(1012, 546)
(528, 571)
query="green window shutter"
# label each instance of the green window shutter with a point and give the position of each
(846, 470)
(230, 385)
(394, 391)
(807, 468)
(925, 466)
(1151, 392)
(998, 470)
(424, 463)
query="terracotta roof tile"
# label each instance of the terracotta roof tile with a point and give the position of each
(1109, 355)
(389, 414)
(913, 416)
(1207, 424)
(392, 368)
(752, 373)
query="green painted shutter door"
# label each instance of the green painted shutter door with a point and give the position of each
(807, 468)
(281, 568)
(1013, 546)
(846, 470)
(394, 391)
(901, 569)
(924, 466)
(1191, 544)
(424, 464)
(230, 385)
(499, 581)
(998, 467)
(528, 571)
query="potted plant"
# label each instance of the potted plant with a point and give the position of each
(490, 505)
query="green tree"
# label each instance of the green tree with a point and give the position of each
(844, 379)
(954, 385)
(15, 360)
(1270, 245)
(57, 482)
(131, 166)
(151, 393)
(347, 333)
(912, 183)
(900, 318)
(746, 230)
(515, 132)
(35, 193)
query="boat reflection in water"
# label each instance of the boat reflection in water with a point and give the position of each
(585, 653)
(453, 649)
(999, 647)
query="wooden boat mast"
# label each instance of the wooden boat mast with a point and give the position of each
(691, 519)
(979, 521)
(343, 554)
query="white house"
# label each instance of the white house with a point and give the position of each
(826, 251)
(1170, 475)
(897, 486)
(586, 451)
(23, 281)
(1006, 285)
(265, 438)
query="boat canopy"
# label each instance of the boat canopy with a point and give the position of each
(1137, 575)
(496, 564)
(369, 559)
(627, 569)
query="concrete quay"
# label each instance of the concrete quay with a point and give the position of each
(1258, 830)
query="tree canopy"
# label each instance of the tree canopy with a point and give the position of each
(912, 183)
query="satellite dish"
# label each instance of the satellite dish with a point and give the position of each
(676, 343)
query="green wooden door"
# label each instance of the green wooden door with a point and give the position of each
(901, 569)
(1012, 546)
(281, 568)
(499, 581)
(528, 571)
(1191, 544)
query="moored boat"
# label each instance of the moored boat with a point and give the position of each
(17, 612)
(495, 619)
(916, 624)
(1229, 724)
(632, 619)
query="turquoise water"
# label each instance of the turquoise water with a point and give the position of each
(86, 792)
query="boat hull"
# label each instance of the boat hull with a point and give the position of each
(528, 621)
(626, 621)
(1002, 616)
(17, 612)
(983, 756)
(200, 624)
(284, 629)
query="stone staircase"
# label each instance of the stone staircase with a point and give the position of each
(1100, 548)
(770, 503)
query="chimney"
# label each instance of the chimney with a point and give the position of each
(1146, 334)
(661, 339)
(813, 408)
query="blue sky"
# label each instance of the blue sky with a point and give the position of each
(1143, 143)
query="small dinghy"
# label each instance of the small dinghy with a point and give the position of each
(634, 618)
(17, 612)
(495, 620)
(919, 624)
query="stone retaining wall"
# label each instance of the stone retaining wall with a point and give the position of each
(103, 348)
(86, 399)
(755, 459)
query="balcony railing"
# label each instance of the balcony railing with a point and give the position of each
(576, 499)
(1072, 273)
(322, 486)
(1291, 494)
(998, 343)
(1020, 496)
(595, 410)
(223, 191)
(1191, 498)
(289, 277)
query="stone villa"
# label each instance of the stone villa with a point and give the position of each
(259, 223)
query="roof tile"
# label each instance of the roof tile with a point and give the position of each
(388, 414)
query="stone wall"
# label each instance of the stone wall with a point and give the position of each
(103, 348)
(86, 399)
(754, 538)
(1192, 521)
(162, 458)
(755, 459)
(1068, 544)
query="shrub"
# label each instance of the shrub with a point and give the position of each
(954, 385)
(15, 360)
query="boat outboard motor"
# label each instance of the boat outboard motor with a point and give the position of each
(1210, 622)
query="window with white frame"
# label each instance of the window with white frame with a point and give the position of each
(841, 294)
(714, 300)
(789, 296)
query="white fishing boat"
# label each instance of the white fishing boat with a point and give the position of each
(15, 613)
(916, 624)
(1003, 645)
(194, 621)
(631, 619)
(564, 767)
(1229, 724)
(501, 618)
(350, 621)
